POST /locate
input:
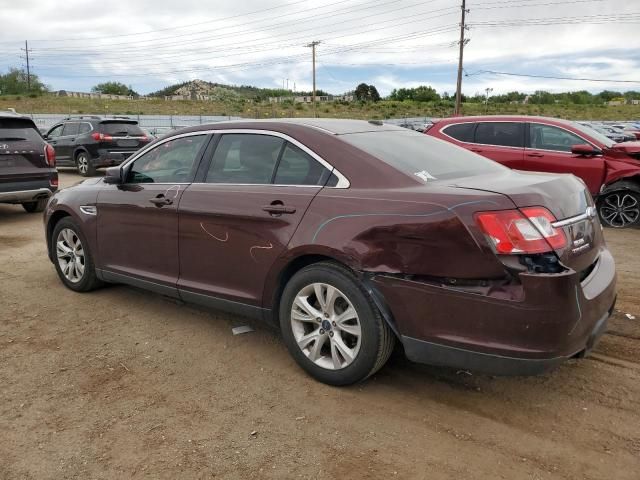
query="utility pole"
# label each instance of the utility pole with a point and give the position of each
(488, 90)
(26, 57)
(313, 53)
(463, 42)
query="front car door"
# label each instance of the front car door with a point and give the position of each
(53, 137)
(548, 149)
(66, 143)
(138, 221)
(239, 217)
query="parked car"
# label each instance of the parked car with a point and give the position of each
(609, 132)
(629, 129)
(349, 235)
(89, 142)
(610, 170)
(28, 174)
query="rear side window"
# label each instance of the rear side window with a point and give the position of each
(421, 156)
(18, 130)
(84, 128)
(70, 128)
(298, 168)
(462, 131)
(121, 129)
(504, 134)
(245, 158)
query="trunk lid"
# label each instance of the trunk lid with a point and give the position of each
(565, 196)
(21, 151)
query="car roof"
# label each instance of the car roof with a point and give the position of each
(504, 118)
(327, 125)
(4, 114)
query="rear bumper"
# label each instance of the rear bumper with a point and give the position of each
(27, 190)
(555, 317)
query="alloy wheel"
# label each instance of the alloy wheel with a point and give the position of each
(70, 255)
(620, 210)
(326, 326)
(83, 164)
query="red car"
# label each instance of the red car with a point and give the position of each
(349, 236)
(610, 170)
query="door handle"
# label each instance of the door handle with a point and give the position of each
(278, 209)
(161, 201)
(535, 154)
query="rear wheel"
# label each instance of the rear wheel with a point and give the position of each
(85, 165)
(37, 206)
(331, 326)
(620, 209)
(73, 260)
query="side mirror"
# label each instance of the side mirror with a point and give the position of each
(113, 176)
(584, 149)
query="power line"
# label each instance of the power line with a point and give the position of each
(551, 77)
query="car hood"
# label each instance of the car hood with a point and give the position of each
(630, 148)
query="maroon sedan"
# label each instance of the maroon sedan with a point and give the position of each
(349, 236)
(610, 170)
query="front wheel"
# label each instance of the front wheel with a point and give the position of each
(73, 260)
(331, 326)
(85, 165)
(620, 209)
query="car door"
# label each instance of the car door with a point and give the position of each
(66, 143)
(137, 232)
(548, 149)
(240, 217)
(53, 136)
(502, 142)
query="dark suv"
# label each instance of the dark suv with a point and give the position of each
(90, 142)
(27, 164)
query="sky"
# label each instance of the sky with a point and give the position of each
(150, 44)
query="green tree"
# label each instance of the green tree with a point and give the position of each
(114, 88)
(366, 93)
(14, 82)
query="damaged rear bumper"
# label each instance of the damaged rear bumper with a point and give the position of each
(557, 317)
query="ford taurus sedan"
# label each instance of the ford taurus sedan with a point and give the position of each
(349, 236)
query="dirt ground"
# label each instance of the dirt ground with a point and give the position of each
(121, 383)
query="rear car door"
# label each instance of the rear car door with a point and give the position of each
(549, 150)
(239, 217)
(502, 142)
(137, 220)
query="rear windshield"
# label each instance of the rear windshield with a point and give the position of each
(422, 156)
(121, 129)
(18, 130)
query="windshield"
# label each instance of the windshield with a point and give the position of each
(420, 155)
(597, 136)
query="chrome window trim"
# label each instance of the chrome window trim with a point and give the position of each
(343, 182)
(442, 131)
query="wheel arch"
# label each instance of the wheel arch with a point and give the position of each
(51, 224)
(627, 183)
(78, 150)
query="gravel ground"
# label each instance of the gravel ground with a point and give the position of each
(121, 383)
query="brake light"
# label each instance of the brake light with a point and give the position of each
(101, 137)
(54, 182)
(50, 155)
(528, 230)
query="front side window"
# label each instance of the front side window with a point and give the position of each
(503, 134)
(70, 128)
(245, 158)
(548, 137)
(298, 168)
(170, 162)
(462, 132)
(55, 131)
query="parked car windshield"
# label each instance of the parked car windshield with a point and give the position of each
(121, 129)
(597, 136)
(422, 156)
(12, 129)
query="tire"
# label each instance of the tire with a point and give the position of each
(619, 209)
(68, 232)
(37, 206)
(332, 351)
(84, 164)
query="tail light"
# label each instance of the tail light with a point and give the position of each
(101, 137)
(50, 155)
(54, 182)
(528, 230)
